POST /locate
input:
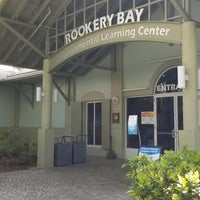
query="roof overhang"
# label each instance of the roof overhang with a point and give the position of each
(27, 77)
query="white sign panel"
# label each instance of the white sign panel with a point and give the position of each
(132, 124)
(147, 117)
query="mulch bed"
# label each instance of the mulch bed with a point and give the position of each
(14, 164)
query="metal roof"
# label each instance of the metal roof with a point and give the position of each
(24, 25)
(23, 28)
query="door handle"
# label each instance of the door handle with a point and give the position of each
(174, 133)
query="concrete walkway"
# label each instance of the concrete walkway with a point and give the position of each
(97, 179)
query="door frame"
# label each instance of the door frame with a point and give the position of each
(175, 132)
(94, 125)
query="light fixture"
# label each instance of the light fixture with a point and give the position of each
(198, 79)
(181, 76)
(38, 93)
(55, 95)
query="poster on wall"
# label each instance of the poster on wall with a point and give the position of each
(132, 124)
(147, 117)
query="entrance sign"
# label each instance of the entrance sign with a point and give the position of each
(157, 31)
(153, 153)
(104, 22)
(168, 82)
(132, 124)
(167, 88)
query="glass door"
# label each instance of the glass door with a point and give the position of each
(94, 123)
(169, 119)
(165, 122)
(139, 106)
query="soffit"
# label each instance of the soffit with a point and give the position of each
(23, 25)
(23, 29)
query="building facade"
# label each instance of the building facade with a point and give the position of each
(115, 66)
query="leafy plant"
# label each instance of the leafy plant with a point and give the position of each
(174, 177)
(13, 145)
(4, 142)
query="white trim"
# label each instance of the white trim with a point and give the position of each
(134, 89)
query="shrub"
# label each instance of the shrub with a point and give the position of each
(15, 146)
(9, 145)
(175, 176)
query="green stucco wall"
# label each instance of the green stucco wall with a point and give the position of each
(7, 102)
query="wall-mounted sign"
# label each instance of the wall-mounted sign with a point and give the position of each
(104, 22)
(165, 31)
(166, 88)
(132, 124)
(153, 153)
(147, 117)
(115, 118)
(168, 82)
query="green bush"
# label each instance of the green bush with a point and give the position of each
(10, 145)
(13, 145)
(175, 176)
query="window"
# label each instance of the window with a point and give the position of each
(94, 123)
(135, 106)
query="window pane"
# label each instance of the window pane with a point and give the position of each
(102, 10)
(113, 6)
(180, 113)
(165, 122)
(165, 114)
(89, 14)
(79, 5)
(90, 123)
(140, 2)
(127, 5)
(79, 19)
(89, 2)
(98, 116)
(94, 123)
(134, 107)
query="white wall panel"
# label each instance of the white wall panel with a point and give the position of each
(142, 59)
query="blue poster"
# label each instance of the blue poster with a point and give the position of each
(151, 152)
(132, 124)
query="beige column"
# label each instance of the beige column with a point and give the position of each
(47, 97)
(189, 59)
(116, 90)
(46, 134)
